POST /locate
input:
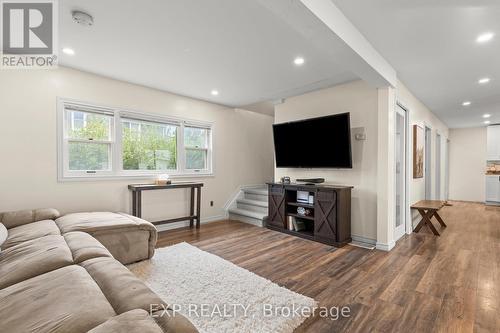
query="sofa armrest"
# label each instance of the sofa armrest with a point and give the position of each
(20, 217)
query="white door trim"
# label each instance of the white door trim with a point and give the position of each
(438, 162)
(428, 163)
(447, 170)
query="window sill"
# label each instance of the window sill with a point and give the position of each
(85, 178)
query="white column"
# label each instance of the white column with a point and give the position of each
(386, 169)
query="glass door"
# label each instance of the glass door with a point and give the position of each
(401, 169)
(438, 166)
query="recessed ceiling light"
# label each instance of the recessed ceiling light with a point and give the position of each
(486, 37)
(68, 51)
(466, 103)
(487, 122)
(484, 80)
(486, 115)
(214, 92)
(299, 61)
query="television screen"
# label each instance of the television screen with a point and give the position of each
(323, 142)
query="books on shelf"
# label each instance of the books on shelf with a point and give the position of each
(290, 223)
(295, 224)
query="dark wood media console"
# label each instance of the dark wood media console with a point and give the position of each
(329, 219)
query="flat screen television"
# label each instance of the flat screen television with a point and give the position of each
(323, 142)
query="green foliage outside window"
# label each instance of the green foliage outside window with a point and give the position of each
(154, 147)
(89, 156)
(195, 138)
(145, 145)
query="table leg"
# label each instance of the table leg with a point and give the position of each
(422, 221)
(191, 208)
(139, 204)
(419, 226)
(426, 219)
(433, 229)
(134, 203)
(440, 220)
(198, 207)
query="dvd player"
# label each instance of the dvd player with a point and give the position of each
(311, 180)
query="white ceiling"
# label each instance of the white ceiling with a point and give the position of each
(245, 49)
(190, 47)
(432, 45)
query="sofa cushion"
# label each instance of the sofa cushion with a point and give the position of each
(64, 300)
(20, 217)
(3, 234)
(32, 258)
(121, 287)
(127, 245)
(128, 238)
(134, 321)
(100, 221)
(173, 322)
(30, 231)
(84, 247)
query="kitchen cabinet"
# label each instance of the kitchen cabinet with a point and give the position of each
(493, 188)
(493, 143)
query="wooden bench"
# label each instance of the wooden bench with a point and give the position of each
(429, 209)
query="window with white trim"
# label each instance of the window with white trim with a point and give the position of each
(196, 146)
(102, 142)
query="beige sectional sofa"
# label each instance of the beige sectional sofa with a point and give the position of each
(56, 278)
(128, 238)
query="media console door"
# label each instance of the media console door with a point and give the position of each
(277, 216)
(325, 215)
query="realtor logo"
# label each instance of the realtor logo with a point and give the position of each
(29, 34)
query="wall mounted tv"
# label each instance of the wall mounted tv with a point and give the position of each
(323, 142)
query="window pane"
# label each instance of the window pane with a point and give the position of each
(87, 125)
(149, 146)
(88, 156)
(196, 159)
(196, 137)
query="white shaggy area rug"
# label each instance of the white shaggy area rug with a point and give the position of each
(218, 296)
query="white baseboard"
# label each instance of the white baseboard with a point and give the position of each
(365, 240)
(385, 247)
(177, 225)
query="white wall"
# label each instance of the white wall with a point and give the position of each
(421, 115)
(242, 145)
(360, 100)
(468, 164)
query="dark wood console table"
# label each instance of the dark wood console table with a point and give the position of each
(194, 215)
(329, 219)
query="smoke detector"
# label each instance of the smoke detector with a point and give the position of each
(82, 18)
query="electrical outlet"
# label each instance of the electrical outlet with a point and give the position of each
(211, 203)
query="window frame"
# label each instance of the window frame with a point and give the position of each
(208, 149)
(116, 170)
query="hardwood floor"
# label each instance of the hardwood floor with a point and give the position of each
(426, 284)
